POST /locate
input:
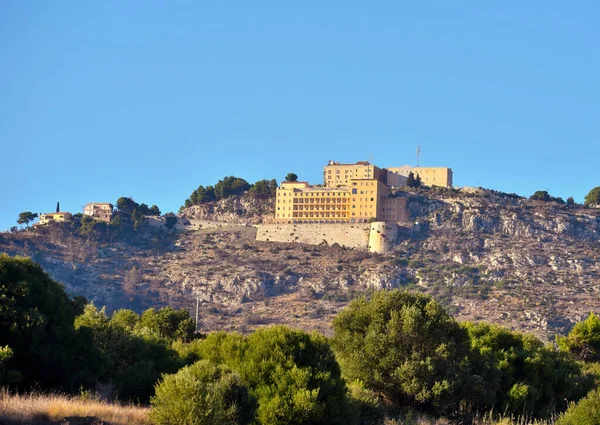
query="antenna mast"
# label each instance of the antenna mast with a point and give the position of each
(418, 155)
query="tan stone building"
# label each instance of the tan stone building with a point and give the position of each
(336, 174)
(357, 202)
(55, 217)
(100, 211)
(430, 176)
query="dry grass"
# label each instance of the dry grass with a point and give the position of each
(32, 407)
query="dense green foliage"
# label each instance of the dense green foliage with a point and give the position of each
(409, 349)
(134, 351)
(26, 217)
(412, 180)
(584, 340)
(264, 189)
(406, 347)
(36, 324)
(521, 375)
(543, 195)
(293, 375)
(291, 177)
(232, 186)
(130, 209)
(593, 197)
(585, 412)
(397, 350)
(202, 394)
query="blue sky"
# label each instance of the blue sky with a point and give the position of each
(150, 99)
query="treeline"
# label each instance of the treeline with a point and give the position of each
(232, 186)
(390, 352)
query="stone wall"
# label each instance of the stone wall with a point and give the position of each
(376, 237)
(350, 235)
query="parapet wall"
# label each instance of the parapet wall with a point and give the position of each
(376, 237)
(350, 235)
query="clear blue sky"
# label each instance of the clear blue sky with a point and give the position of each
(150, 99)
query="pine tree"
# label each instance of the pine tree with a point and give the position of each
(418, 181)
(410, 181)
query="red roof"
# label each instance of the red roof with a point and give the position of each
(53, 213)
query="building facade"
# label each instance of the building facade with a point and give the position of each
(56, 217)
(336, 174)
(430, 176)
(102, 211)
(357, 202)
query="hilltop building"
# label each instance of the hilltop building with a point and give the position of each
(352, 193)
(55, 217)
(102, 211)
(336, 174)
(430, 176)
(359, 201)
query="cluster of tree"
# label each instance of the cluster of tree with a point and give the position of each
(274, 376)
(412, 180)
(543, 195)
(130, 209)
(234, 186)
(396, 349)
(50, 341)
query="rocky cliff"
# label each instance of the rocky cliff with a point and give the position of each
(529, 265)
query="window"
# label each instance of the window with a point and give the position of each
(354, 191)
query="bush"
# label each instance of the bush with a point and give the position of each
(293, 375)
(584, 340)
(168, 324)
(585, 412)
(520, 375)
(593, 197)
(202, 394)
(406, 347)
(365, 404)
(132, 361)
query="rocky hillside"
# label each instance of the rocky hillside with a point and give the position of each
(233, 210)
(529, 265)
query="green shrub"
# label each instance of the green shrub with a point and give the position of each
(365, 405)
(132, 361)
(406, 347)
(294, 375)
(593, 197)
(202, 394)
(585, 412)
(520, 375)
(584, 340)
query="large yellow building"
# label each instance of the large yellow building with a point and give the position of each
(430, 176)
(54, 217)
(357, 202)
(336, 174)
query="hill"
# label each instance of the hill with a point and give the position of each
(529, 265)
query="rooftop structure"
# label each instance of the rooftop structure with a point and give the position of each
(336, 174)
(430, 176)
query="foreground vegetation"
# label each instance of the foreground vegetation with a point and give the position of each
(37, 407)
(394, 357)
